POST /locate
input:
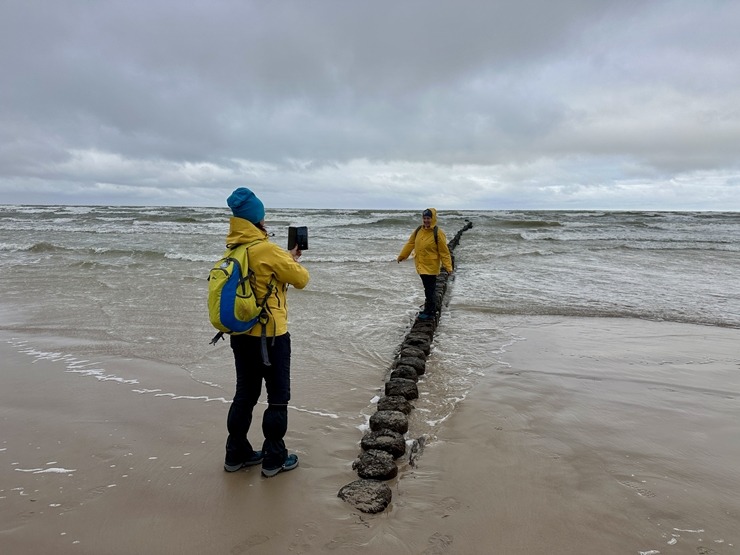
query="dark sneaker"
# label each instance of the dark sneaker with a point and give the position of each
(290, 463)
(424, 316)
(256, 458)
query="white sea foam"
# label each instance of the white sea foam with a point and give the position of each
(46, 470)
(315, 411)
(204, 398)
(434, 423)
(82, 367)
(15, 246)
(72, 364)
(191, 257)
(99, 374)
(700, 531)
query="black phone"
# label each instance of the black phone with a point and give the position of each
(298, 236)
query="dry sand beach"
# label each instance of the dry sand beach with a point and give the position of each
(598, 436)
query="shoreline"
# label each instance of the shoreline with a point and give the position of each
(601, 435)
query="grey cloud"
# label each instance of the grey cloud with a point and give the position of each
(648, 84)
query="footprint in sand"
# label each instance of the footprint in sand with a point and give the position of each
(639, 488)
(305, 536)
(252, 541)
(440, 543)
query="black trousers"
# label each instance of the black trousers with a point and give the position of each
(250, 373)
(430, 286)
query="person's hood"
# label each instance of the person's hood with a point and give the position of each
(434, 215)
(243, 231)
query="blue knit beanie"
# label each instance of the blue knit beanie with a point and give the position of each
(244, 204)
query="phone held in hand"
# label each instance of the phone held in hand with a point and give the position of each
(298, 236)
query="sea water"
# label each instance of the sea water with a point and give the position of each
(131, 282)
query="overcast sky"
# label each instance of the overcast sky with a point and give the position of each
(459, 104)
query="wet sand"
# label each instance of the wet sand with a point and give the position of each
(596, 436)
(602, 436)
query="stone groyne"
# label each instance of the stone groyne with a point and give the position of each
(385, 442)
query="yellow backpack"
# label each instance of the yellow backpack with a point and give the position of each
(232, 305)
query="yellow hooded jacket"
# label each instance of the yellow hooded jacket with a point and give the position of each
(429, 256)
(268, 262)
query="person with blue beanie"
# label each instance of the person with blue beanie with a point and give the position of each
(245, 204)
(263, 352)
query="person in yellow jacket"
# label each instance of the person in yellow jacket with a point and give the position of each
(431, 253)
(263, 353)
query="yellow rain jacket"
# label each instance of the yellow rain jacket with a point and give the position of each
(269, 263)
(430, 256)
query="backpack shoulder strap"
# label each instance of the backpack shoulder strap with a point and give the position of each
(234, 246)
(246, 246)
